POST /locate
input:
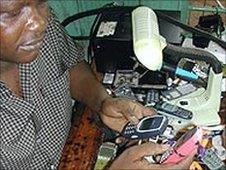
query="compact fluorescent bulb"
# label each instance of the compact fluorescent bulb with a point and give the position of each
(147, 43)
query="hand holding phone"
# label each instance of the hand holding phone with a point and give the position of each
(148, 127)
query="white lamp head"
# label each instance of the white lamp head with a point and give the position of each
(147, 43)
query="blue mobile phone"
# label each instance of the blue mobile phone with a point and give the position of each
(148, 127)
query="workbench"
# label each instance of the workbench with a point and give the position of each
(80, 151)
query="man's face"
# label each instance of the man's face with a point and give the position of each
(22, 28)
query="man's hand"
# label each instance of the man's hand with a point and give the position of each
(116, 112)
(133, 158)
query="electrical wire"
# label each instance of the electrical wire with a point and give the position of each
(160, 15)
(219, 4)
(191, 29)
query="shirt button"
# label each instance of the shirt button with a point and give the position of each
(42, 92)
(38, 140)
(52, 167)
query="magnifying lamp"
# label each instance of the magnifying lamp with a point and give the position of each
(148, 44)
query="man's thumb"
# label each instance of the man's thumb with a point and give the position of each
(148, 149)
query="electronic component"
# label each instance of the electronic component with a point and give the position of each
(183, 147)
(125, 91)
(210, 159)
(179, 72)
(179, 91)
(208, 23)
(173, 110)
(108, 78)
(141, 96)
(218, 147)
(168, 133)
(112, 50)
(148, 127)
(107, 152)
(140, 78)
(126, 76)
(152, 97)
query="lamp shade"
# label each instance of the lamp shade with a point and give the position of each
(147, 42)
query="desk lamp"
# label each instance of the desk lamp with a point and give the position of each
(148, 46)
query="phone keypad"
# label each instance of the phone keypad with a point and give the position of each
(186, 89)
(212, 160)
(174, 110)
(130, 129)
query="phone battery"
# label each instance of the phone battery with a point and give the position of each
(179, 91)
(173, 110)
(108, 78)
(152, 97)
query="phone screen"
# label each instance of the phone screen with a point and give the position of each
(151, 123)
(146, 124)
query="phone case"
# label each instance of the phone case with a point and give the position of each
(184, 146)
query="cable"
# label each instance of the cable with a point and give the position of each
(91, 36)
(160, 15)
(219, 4)
(80, 15)
(191, 29)
(191, 53)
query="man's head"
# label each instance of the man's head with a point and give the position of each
(22, 28)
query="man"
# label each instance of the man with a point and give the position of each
(41, 69)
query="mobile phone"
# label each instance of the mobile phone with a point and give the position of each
(173, 110)
(107, 152)
(179, 91)
(210, 159)
(183, 147)
(148, 127)
(152, 97)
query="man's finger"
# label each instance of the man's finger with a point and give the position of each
(142, 111)
(136, 111)
(148, 111)
(148, 149)
(120, 140)
(131, 115)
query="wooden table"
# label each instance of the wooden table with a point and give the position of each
(80, 151)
